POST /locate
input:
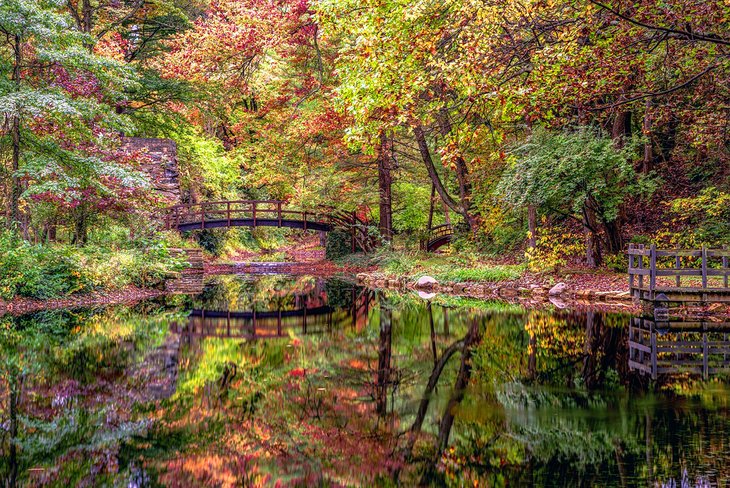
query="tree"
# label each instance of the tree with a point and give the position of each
(58, 101)
(577, 173)
(390, 80)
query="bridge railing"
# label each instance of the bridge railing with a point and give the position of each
(252, 213)
(229, 211)
(435, 234)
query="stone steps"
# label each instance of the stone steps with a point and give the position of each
(190, 280)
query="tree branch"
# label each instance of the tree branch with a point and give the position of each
(655, 94)
(687, 34)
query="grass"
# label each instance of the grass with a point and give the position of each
(445, 268)
(500, 272)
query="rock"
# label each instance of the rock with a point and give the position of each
(426, 282)
(558, 289)
(507, 292)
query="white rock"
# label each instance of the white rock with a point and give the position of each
(426, 282)
(558, 289)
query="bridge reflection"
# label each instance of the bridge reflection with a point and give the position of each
(312, 318)
(666, 348)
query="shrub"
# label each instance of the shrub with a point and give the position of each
(554, 249)
(338, 245)
(38, 271)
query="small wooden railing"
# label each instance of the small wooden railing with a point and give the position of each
(256, 211)
(652, 271)
(437, 237)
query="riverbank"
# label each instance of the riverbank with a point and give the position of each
(126, 296)
(576, 288)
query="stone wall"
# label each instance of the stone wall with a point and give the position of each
(191, 278)
(162, 166)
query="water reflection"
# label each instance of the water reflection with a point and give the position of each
(681, 347)
(304, 381)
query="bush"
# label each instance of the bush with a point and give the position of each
(49, 271)
(339, 244)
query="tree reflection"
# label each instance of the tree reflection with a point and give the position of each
(374, 389)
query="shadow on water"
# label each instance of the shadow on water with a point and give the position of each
(307, 381)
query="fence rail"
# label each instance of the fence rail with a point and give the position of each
(706, 273)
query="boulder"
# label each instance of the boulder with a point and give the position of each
(426, 282)
(508, 292)
(558, 289)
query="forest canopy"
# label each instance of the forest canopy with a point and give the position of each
(509, 119)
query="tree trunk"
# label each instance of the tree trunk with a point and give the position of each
(532, 226)
(648, 149)
(87, 14)
(614, 239)
(436, 180)
(593, 253)
(621, 128)
(462, 172)
(81, 226)
(15, 217)
(385, 183)
(447, 214)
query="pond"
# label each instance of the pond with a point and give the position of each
(301, 381)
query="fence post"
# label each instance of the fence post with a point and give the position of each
(202, 215)
(631, 267)
(677, 266)
(726, 272)
(305, 220)
(704, 266)
(228, 212)
(641, 268)
(652, 267)
(278, 211)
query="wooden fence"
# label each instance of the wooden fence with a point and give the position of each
(680, 274)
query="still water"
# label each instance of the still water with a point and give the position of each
(302, 381)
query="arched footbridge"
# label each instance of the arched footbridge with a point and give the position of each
(265, 213)
(438, 236)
